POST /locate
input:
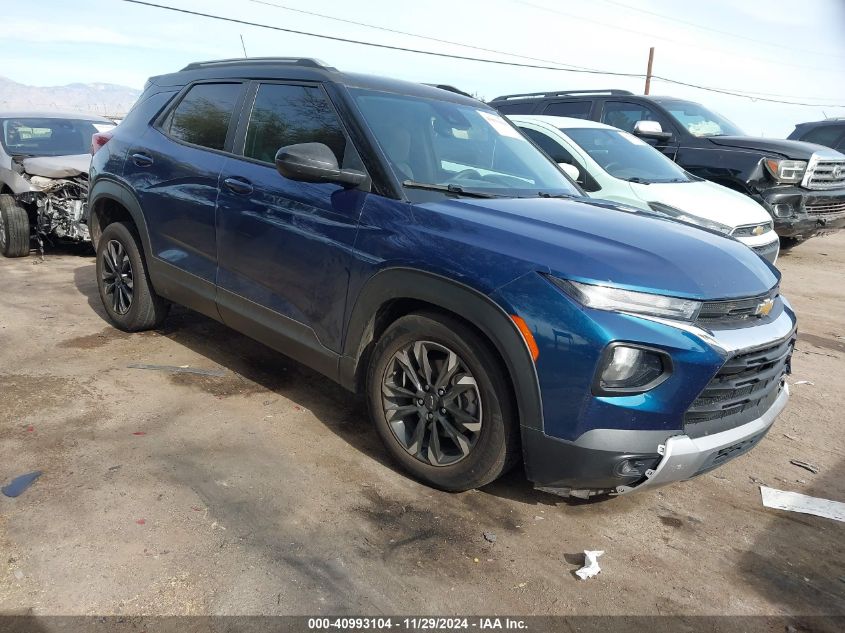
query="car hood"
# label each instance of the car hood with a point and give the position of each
(705, 199)
(593, 241)
(796, 150)
(57, 166)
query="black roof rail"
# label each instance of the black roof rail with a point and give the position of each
(563, 93)
(451, 89)
(238, 61)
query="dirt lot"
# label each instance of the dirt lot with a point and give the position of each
(265, 491)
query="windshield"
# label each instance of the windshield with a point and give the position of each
(460, 147)
(48, 136)
(626, 157)
(699, 120)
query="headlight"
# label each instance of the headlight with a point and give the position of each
(753, 230)
(689, 218)
(786, 170)
(626, 369)
(617, 300)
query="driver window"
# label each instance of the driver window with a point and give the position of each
(624, 115)
(288, 114)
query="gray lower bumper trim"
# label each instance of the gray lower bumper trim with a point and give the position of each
(684, 457)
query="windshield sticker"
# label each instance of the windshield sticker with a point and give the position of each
(704, 128)
(499, 124)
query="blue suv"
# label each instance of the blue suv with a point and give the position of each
(409, 243)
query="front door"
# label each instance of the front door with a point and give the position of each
(284, 247)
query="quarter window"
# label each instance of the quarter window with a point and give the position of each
(203, 115)
(555, 150)
(286, 115)
(574, 109)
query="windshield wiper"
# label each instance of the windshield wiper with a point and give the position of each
(457, 190)
(546, 194)
(638, 180)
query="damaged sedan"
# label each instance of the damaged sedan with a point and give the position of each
(44, 160)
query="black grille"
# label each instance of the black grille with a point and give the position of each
(743, 389)
(733, 309)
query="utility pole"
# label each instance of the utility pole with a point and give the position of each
(648, 71)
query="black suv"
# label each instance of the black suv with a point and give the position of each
(830, 132)
(802, 185)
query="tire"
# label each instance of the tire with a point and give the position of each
(128, 297)
(788, 243)
(477, 391)
(14, 228)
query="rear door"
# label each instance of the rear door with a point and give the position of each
(174, 170)
(284, 247)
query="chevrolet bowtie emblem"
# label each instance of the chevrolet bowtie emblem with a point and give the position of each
(764, 308)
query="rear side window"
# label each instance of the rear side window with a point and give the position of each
(574, 109)
(286, 115)
(514, 108)
(203, 115)
(824, 135)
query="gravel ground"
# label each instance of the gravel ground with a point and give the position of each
(265, 491)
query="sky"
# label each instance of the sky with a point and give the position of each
(778, 49)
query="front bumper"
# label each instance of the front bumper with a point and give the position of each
(809, 212)
(621, 460)
(685, 457)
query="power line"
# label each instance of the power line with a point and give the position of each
(406, 33)
(719, 31)
(663, 37)
(461, 57)
(377, 27)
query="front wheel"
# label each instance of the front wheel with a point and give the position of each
(125, 289)
(441, 402)
(14, 228)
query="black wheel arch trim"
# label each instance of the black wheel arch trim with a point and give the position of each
(392, 284)
(108, 189)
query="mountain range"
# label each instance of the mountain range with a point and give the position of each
(95, 98)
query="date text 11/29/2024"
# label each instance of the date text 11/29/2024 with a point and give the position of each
(416, 623)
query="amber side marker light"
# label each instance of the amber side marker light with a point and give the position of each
(527, 335)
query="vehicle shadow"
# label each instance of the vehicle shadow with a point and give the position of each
(799, 560)
(340, 411)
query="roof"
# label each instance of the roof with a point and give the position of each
(303, 69)
(41, 114)
(560, 122)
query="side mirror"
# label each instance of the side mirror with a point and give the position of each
(315, 162)
(651, 129)
(570, 170)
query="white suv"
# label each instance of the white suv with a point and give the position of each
(614, 165)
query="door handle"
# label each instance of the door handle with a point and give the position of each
(142, 160)
(238, 185)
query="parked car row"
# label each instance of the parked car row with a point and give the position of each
(800, 184)
(412, 244)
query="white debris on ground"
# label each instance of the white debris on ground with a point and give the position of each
(796, 502)
(591, 564)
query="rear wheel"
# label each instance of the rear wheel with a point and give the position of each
(125, 289)
(14, 228)
(442, 403)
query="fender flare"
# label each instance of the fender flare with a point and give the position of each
(478, 309)
(107, 189)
